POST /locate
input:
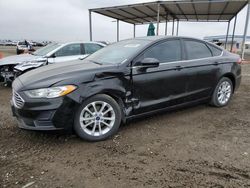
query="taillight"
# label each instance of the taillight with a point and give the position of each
(239, 61)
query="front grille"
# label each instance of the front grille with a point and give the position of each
(17, 100)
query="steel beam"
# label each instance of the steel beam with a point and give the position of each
(166, 26)
(194, 10)
(134, 30)
(173, 28)
(223, 10)
(180, 9)
(228, 26)
(243, 46)
(235, 21)
(158, 18)
(177, 32)
(117, 22)
(90, 25)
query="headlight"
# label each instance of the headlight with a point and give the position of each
(52, 92)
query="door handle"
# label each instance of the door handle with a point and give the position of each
(216, 63)
(178, 68)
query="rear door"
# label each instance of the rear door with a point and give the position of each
(202, 68)
(163, 86)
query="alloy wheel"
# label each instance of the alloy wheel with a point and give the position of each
(224, 92)
(97, 118)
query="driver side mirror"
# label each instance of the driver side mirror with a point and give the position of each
(53, 56)
(150, 62)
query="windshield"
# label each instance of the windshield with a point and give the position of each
(118, 52)
(21, 43)
(45, 50)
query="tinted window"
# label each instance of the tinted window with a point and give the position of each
(165, 52)
(215, 51)
(71, 49)
(197, 50)
(91, 48)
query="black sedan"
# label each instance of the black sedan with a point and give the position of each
(127, 79)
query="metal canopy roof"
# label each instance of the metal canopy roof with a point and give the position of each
(185, 10)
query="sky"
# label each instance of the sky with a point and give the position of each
(67, 20)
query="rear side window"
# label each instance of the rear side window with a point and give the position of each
(165, 52)
(215, 51)
(91, 48)
(197, 50)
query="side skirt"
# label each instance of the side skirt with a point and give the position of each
(170, 108)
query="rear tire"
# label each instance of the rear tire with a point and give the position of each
(222, 93)
(98, 118)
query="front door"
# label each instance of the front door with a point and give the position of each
(163, 86)
(69, 52)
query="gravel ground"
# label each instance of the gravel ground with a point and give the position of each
(200, 146)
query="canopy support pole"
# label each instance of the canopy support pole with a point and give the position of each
(228, 26)
(166, 26)
(117, 30)
(235, 21)
(158, 18)
(177, 32)
(134, 30)
(90, 25)
(173, 28)
(243, 47)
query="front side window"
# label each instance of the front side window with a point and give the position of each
(91, 48)
(69, 50)
(168, 51)
(196, 50)
(47, 49)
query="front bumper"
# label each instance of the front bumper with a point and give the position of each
(40, 118)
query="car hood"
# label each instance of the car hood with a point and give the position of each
(72, 72)
(17, 59)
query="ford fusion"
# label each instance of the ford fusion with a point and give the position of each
(127, 79)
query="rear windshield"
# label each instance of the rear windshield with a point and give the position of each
(118, 52)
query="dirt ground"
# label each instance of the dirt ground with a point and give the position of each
(200, 146)
(7, 50)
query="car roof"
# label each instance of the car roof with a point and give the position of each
(160, 37)
(73, 42)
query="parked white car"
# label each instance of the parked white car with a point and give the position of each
(25, 46)
(52, 53)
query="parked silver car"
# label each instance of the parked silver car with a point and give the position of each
(12, 66)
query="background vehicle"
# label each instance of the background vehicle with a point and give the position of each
(52, 53)
(24, 46)
(124, 80)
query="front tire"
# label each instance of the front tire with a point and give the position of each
(222, 93)
(98, 118)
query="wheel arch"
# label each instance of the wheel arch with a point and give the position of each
(114, 94)
(231, 77)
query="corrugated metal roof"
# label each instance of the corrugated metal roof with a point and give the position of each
(185, 10)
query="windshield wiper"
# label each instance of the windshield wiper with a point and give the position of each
(95, 62)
